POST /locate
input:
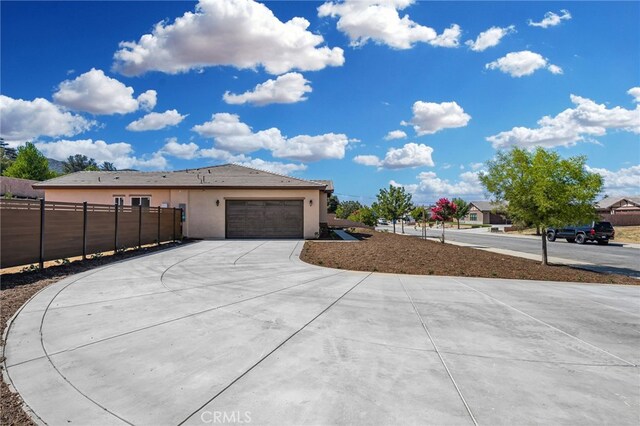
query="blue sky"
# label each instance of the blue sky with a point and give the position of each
(314, 89)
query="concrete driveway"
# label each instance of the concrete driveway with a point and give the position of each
(243, 331)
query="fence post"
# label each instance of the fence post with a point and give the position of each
(115, 239)
(174, 224)
(41, 260)
(140, 225)
(159, 213)
(84, 230)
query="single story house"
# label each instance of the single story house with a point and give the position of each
(226, 201)
(619, 205)
(484, 212)
(11, 187)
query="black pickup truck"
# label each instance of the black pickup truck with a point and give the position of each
(601, 232)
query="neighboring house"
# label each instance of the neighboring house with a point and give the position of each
(619, 205)
(484, 212)
(11, 187)
(227, 201)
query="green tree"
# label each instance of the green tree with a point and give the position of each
(420, 214)
(30, 164)
(364, 215)
(346, 209)
(78, 163)
(543, 189)
(332, 203)
(7, 155)
(462, 208)
(393, 203)
(107, 167)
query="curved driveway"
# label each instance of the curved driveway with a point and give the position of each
(243, 331)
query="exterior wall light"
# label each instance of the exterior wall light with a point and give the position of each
(217, 203)
(310, 202)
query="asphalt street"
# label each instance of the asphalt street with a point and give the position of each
(613, 258)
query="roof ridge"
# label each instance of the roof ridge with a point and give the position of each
(274, 173)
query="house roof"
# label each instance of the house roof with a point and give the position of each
(223, 176)
(486, 205)
(19, 188)
(607, 202)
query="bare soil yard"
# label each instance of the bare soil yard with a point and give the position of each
(387, 252)
(17, 287)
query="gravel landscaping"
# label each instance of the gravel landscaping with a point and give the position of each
(18, 287)
(387, 252)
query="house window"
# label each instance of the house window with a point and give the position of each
(141, 201)
(473, 217)
(118, 200)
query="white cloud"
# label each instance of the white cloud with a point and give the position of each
(147, 100)
(186, 151)
(22, 120)
(625, 181)
(551, 19)
(239, 33)
(156, 121)
(410, 155)
(489, 38)
(96, 93)
(273, 166)
(635, 92)
(286, 89)
(519, 64)
(368, 160)
(230, 134)
(554, 69)
(430, 117)
(189, 151)
(430, 187)
(450, 37)
(571, 126)
(120, 153)
(380, 22)
(395, 134)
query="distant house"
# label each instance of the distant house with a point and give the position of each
(226, 201)
(11, 187)
(619, 205)
(485, 212)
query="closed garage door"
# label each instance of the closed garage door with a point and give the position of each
(264, 219)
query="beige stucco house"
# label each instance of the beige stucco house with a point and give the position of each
(484, 212)
(227, 201)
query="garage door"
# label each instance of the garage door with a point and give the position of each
(264, 219)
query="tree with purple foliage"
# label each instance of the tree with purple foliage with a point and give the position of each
(443, 211)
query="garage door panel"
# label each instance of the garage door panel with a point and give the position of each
(264, 219)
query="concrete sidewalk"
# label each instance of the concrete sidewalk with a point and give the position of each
(243, 330)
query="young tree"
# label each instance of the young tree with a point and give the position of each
(30, 164)
(78, 163)
(462, 209)
(543, 189)
(346, 208)
(332, 203)
(443, 211)
(364, 215)
(419, 214)
(393, 203)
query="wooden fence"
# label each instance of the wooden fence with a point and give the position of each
(621, 219)
(35, 231)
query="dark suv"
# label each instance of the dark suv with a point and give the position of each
(601, 232)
